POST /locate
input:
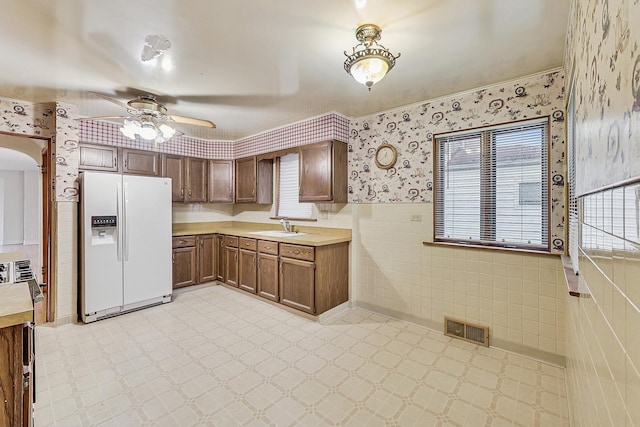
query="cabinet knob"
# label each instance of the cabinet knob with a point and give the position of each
(296, 251)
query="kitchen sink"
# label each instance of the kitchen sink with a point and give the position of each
(277, 233)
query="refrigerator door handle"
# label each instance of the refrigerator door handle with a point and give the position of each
(124, 221)
(118, 238)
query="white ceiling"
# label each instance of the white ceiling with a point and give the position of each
(250, 66)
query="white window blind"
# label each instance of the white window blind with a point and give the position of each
(288, 205)
(492, 186)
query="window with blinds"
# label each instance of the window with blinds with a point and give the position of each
(571, 181)
(492, 186)
(287, 204)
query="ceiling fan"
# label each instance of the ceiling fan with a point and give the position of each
(148, 118)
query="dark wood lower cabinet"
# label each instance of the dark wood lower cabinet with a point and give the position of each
(307, 278)
(268, 276)
(13, 411)
(297, 284)
(231, 266)
(184, 267)
(207, 258)
(220, 258)
(247, 262)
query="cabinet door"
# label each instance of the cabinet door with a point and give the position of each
(268, 276)
(221, 181)
(137, 162)
(197, 173)
(98, 158)
(315, 172)
(11, 392)
(247, 266)
(297, 287)
(323, 172)
(184, 267)
(220, 255)
(246, 180)
(206, 258)
(231, 266)
(173, 167)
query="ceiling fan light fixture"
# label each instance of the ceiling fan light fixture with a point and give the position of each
(370, 61)
(166, 131)
(130, 128)
(147, 129)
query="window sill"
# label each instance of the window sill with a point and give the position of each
(491, 248)
(572, 280)
(293, 219)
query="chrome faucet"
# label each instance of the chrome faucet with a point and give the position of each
(286, 225)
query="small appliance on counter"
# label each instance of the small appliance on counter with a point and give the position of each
(15, 271)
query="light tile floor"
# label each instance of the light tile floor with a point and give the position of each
(218, 357)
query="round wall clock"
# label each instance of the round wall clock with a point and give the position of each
(386, 156)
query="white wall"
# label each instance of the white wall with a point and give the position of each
(13, 222)
(32, 208)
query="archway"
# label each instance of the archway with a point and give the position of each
(25, 206)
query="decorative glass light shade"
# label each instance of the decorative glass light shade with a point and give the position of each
(167, 131)
(370, 61)
(147, 129)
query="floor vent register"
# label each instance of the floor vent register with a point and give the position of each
(466, 331)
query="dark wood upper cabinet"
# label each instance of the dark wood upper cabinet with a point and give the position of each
(323, 172)
(138, 162)
(197, 179)
(189, 177)
(173, 167)
(221, 181)
(254, 180)
(98, 158)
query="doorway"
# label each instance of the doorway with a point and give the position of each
(25, 209)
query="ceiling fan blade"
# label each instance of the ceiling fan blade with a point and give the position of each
(102, 118)
(112, 100)
(191, 121)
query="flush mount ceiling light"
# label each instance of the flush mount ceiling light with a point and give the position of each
(370, 61)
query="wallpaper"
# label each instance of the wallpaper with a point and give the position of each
(322, 128)
(410, 129)
(603, 56)
(66, 153)
(26, 118)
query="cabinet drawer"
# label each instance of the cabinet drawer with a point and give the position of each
(183, 241)
(267, 247)
(295, 251)
(249, 244)
(231, 241)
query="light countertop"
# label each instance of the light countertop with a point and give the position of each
(314, 236)
(15, 304)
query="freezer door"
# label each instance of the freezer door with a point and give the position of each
(147, 238)
(101, 265)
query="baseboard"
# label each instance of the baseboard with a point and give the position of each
(534, 353)
(30, 242)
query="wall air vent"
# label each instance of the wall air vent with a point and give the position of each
(466, 331)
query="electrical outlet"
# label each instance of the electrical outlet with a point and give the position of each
(416, 218)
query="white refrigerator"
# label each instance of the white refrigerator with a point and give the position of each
(125, 238)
